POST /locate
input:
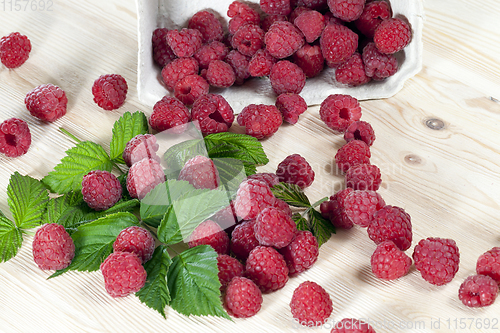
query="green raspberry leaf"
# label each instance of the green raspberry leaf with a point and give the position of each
(11, 238)
(320, 227)
(120, 206)
(67, 210)
(194, 284)
(231, 174)
(301, 222)
(291, 194)
(242, 143)
(155, 293)
(128, 126)
(68, 174)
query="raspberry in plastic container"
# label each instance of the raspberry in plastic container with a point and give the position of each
(248, 39)
(162, 52)
(310, 59)
(220, 74)
(287, 77)
(392, 35)
(352, 71)
(311, 23)
(283, 39)
(208, 52)
(208, 25)
(178, 69)
(186, 42)
(337, 44)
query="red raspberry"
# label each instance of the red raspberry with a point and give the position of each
(276, 7)
(363, 177)
(110, 91)
(143, 176)
(360, 130)
(337, 44)
(46, 102)
(334, 210)
(360, 206)
(283, 206)
(53, 248)
(248, 39)
(190, 88)
(313, 4)
(391, 223)
(15, 137)
(339, 111)
(267, 268)
(478, 291)
(239, 63)
(283, 39)
(268, 20)
(378, 65)
(139, 147)
(226, 218)
(311, 23)
(136, 240)
(330, 19)
(351, 325)
(169, 113)
(437, 259)
(243, 239)
(294, 169)
(388, 262)
(346, 10)
(162, 52)
(301, 253)
(200, 171)
(243, 298)
(208, 25)
(352, 71)
(184, 43)
(123, 274)
(287, 77)
(274, 227)
(260, 120)
(101, 189)
(269, 178)
(213, 113)
(208, 52)
(310, 59)
(489, 264)
(229, 268)
(210, 233)
(14, 50)
(261, 63)
(252, 197)
(351, 154)
(311, 304)
(296, 12)
(220, 74)
(392, 35)
(291, 106)
(373, 13)
(179, 69)
(241, 14)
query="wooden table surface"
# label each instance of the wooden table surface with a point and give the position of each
(447, 180)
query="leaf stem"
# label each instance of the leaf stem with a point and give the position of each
(71, 136)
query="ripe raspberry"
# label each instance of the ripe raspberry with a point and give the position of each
(243, 298)
(143, 176)
(313, 4)
(14, 50)
(388, 262)
(291, 106)
(251, 198)
(139, 147)
(269, 178)
(301, 253)
(190, 88)
(283, 39)
(220, 74)
(351, 154)
(136, 240)
(243, 239)
(294, 169)
(392, 35)
(248, 39)
(239, 63)
(260, 120)
(53, 248)
(241, 14)
(226, 218)
(378, 65)
(213, 113)
(123, 274)
(276, 7)
(177, 70)
(310, 59)
(15, 137)
(352, 71)
(274, 227)
(184, 43)
(267, 268)
(46, 102)
(436, 259)
(361, 205)
(208, 25)
(334, 209)
(311, 23)
(373, 13)
(478, 291)
(110, 91)
(339, 111)
(268, 20)
(489, 264)
(229, 268)
(101, 189)
(200, 171)
(282, 206)
(337, 44)
(208, 52)
(287, 77)
(351, 325)
(261, 63)
(296, 12)
(169, 113)
(311, 304)
(391, 223)
(210, 233)
(363, 177)
(346, 10)
(360, 130)
(162, 52)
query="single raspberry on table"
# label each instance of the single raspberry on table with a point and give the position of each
(101, 189)
(243, 239)
(15, 137)
(361, 205)
(334, 209)
(294, 169)
(363, 177)
(229, 268)
(276, 7)
(169, 113)
(200, 171)
(266, 267)
(352, 71)
(143, 176)
(251, 198)
(346, 10)
(209, 52)
(352, 325)
(392, 35)
(291, 106)
(287, 77)
(337, 44)
(273, 227)
(268, 20)
(46, 102)
(301, 253)
(391, 223)
(123, 274)
(220, 74)
(186, 42)
(261, 63)
(339, 111)
(260, 120)
(241, 14)
(311, 305)
(248, 39)
(351, 154)
(360, 130)
(388, 262)
(437, 259)
(283, 39)
(139, 147)
(311, 23)
(243, 298)
(110, 91)
(373, 13)
(53, 248)
(162, 52)
(213, 113)
(210, 233)
(378, 65)
(14, 50)
(208, 25)
(310, 59)
(240, 63)
(489, 264)
(178, 69)
(137, 240)
(269, 178)
(478, 291)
